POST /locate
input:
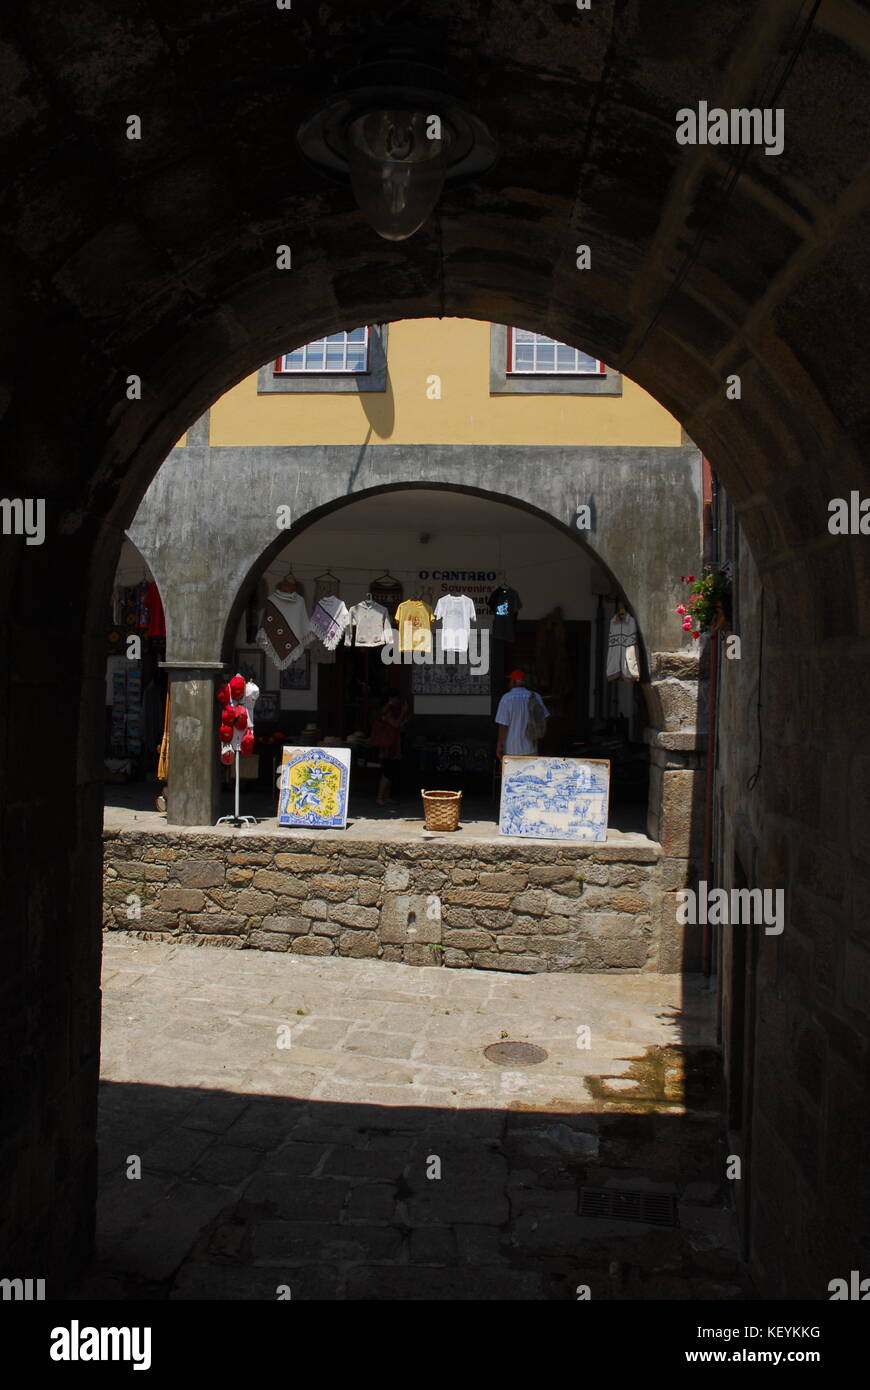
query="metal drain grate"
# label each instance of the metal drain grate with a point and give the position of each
(628, 1204)
(514, 1054)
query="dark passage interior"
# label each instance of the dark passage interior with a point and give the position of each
(156, 260)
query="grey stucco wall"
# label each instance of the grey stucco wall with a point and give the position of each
(210, 516)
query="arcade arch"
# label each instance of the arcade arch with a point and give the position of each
(159, 261)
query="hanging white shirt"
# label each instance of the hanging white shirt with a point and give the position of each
(369, 624)
(329, 619)
(457, 613)
(622, 661)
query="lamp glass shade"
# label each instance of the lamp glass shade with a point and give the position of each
(397, 167)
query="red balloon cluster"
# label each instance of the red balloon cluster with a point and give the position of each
(234, 716)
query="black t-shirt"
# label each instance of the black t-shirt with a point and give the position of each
(504, 604)
(389, 593)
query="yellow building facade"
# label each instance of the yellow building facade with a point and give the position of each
(460, 458)
(438, 391)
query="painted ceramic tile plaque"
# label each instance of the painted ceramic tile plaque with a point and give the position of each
(555, 798)
(313, 786)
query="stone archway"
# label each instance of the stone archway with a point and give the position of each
(156, 261)
(670, 678)
(207, 583)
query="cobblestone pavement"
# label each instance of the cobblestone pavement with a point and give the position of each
(315, 1166)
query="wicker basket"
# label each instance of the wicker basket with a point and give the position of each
(441, 810)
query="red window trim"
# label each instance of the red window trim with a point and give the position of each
(278, 370)
(601, 368)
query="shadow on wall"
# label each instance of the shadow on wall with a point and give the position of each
(380, 409)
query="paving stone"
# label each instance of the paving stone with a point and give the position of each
(293, 1198)
(433, 1245)
(479, 1245)
(224, 1163)
(168, 1232)
(177, 1151)
(444, 1202)
(380, 1164)
(288, 1243)
(398, 1045)
(203, 1281)
(329, 1195)
(319, 1033)
(372, 1201)
(422, 1284)
(295, 1157)
(263, 1124)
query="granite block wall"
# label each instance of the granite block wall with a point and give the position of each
(531, 907)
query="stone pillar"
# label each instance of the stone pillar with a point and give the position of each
(677, 698)
(192, 797)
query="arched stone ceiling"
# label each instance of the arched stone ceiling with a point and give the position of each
(157, 256)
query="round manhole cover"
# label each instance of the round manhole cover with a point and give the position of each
(514, 1054)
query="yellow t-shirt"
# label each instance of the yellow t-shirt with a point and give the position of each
(414, 619)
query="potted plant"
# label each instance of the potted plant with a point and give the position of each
(708, 605)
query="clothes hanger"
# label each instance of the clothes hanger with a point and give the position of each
(385, 576)
(289, 579)
(327, 574)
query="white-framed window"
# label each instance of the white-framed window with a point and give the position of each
(533, 354)
(338, 353)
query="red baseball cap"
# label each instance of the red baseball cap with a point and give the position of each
(516, 675)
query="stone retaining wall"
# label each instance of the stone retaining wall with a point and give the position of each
(529, 907)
